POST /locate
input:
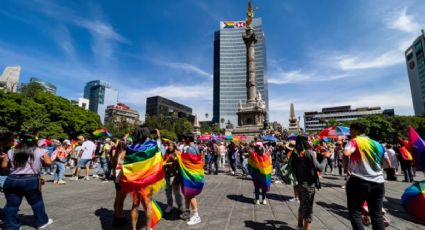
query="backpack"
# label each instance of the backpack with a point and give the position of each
(308, 166)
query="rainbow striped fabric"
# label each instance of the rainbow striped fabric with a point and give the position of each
(260, 168)
(405, 153)
(143, 169)
(192, 173)
(156, 213)
(369, 151)
(418, 149)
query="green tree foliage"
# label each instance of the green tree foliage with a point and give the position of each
(389, 128)
(120, 128)
(46, 115)
(172, 124)
(33, 88)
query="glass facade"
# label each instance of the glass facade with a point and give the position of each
(49, 87)
(230, 69)
(100, 95)
(415, 62)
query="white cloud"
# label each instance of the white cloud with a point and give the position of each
(187, 67)
(404, 22)
(297, 76)
(386, 59)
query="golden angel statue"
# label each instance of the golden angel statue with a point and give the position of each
(250, 15)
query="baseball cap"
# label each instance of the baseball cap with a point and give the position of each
(80, 138)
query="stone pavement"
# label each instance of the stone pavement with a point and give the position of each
(225, 203)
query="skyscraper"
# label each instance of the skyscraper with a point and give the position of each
(415, 62)
(230, 69)
(49, 87)
(9, 80)
(100, 95)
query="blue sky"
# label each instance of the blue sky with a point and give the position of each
(319, 53)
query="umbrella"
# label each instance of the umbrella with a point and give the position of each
(269, 138)
(413, 201)
(205, 137)
(335, 132)
(102, 133)
(292, 137)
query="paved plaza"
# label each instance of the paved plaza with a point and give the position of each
(225, 203)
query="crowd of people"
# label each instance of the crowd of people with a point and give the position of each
(143, 163)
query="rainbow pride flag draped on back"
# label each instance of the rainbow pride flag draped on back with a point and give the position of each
(418, 149)
(192, 173)
(260, 168)
(143, 169)
(370, 151)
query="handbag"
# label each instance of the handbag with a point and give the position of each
(287, 174)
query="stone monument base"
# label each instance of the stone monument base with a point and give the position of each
(250, 131)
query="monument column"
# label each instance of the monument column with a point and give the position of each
(251, 84)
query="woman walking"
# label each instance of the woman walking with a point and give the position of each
(260, 168)
(25, 163)
(59, 157)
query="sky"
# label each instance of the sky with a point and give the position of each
(319, 53)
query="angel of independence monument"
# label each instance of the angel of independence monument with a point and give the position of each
(252, 114)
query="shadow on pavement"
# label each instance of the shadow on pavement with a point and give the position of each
(278, 197)
(394, 208)
(270, 224)
(241, 198)
(335, 208)
(26, 220)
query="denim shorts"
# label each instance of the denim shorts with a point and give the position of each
(2, 180)
(84, 162)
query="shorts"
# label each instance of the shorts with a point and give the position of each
(83, 163)
(306, 195)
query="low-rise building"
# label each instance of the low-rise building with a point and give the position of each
(9, 80)
(121, 113)
(316, 121)
(157, 105)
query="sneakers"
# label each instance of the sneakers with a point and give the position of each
(86, 178)
(74, 178)
(55, 182)
(264, 201)
(169, 209)
(257, 202)
(61, 182)
(95, 176)
(49, 222)
(195, 219)
(293, 200)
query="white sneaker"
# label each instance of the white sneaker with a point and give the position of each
(86, 178)
(264, 201)
(74, 178)
(257, 202)
(169, 209)
(194, 220)
(95, 176)
(49, 222)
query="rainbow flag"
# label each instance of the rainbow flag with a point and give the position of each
(260, 168)
(370, 151)
(418, 149)
(229, 25)
(102, 132)
(405, 153)
(156, 213)
(143, 168)
(192, 172)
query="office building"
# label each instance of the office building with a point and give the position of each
(9, 80)
(157, 105)
(46, 86)
(121, 113)
(415, 63)
(100, 95)
(230, 72)
(316, 121)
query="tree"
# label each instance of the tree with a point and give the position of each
(34, 88)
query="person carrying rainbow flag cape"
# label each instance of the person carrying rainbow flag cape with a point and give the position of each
(143, 175)
(260, 168)
(191, 166)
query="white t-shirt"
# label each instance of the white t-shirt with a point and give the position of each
(88, 148)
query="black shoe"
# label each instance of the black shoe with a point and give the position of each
(119, 221)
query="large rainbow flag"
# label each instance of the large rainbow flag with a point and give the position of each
(143, 168)
(370, 150)
(192, 173)
(418, 149)
(405, 153)
(156, 213)
(260, 168)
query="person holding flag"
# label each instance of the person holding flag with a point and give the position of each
(143, 175)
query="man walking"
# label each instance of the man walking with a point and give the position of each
(366, 182)
(88, 149)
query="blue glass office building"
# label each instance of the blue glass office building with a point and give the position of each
(230, 69)
(100, 95)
